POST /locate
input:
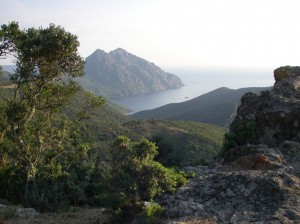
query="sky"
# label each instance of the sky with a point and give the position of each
(181, 33)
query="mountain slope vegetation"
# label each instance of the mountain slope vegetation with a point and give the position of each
(61, 146)
(214, 107)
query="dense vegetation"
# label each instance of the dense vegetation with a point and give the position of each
(62, 146)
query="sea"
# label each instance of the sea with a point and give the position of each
(198, 81)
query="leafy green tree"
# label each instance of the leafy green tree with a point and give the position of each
(8, 38)
(36, 136)
(136, 177)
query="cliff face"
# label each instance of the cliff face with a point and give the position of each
(120, 73)
(258, 181)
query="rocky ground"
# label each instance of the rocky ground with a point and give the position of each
(258, 181)
(269, 192)
(75, 216)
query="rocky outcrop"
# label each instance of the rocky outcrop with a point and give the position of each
(255, 185)
(120, 73)
(259, 180)
(274, 115)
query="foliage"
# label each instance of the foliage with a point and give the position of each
(151, 214)
(135, 177)
(8, 38)
(166, 147)
(39, 145)
(239, 135)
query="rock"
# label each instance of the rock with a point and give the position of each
(272, 117)
(2, 206)
(26, 213)
(256, 157)
(259, 180)
(287, 81)
(239, 196)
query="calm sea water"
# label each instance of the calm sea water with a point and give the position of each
(198, 82)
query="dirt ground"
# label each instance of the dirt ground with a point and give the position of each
(77, 216)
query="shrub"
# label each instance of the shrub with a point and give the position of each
(136, 177)
(151, 214)
(239, 135)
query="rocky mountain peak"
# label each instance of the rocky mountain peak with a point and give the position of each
(119, 51)
(120, 73)
(98, 52)
(97, 56)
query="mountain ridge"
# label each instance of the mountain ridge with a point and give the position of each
(214, 107)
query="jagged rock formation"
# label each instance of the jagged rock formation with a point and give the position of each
(119, 73)
(257, 182)
(274, 115)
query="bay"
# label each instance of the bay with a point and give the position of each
(199, 81)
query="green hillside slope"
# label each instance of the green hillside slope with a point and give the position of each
(189, 143)
(214, 107)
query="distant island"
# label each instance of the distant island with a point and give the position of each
(120, 73)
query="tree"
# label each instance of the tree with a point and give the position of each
(35, 130)
(136, 177)
(8, 38)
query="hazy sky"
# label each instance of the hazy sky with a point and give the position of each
(256, 33)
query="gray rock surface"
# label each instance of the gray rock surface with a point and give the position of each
(259, 180)
(26, 213)
(274, 115)
(234, 194)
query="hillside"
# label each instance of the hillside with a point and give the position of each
(258, 178)
(191, 143)
(180, 143)
(187, 143)
(214, 107)
(119, 73)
